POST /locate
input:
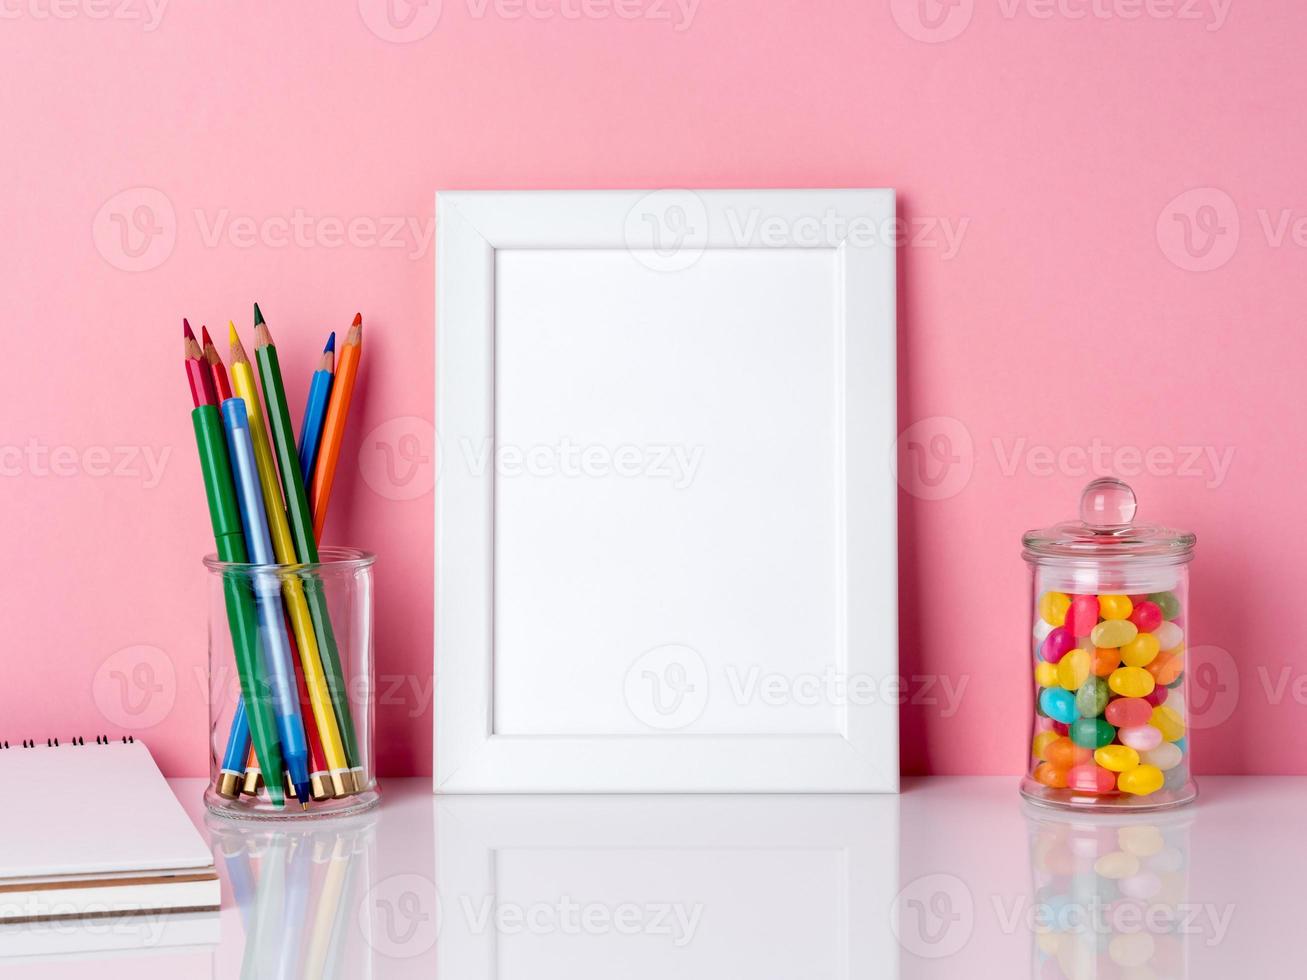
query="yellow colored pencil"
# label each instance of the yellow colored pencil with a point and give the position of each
(283, 546)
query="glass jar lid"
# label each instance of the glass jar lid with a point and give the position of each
(1107, 529)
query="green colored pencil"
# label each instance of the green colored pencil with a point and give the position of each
(301, 526)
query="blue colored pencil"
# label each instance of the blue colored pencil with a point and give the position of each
(267, 592)
(315, 412)
(238, 745)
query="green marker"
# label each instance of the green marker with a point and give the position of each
(301, 526)
(242, 616)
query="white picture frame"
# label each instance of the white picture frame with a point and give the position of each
(665, 531)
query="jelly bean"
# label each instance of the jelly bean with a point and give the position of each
(1061, 727)
(1157, 695)
(1106, 660)
(1090, 778)
(1042, 629)
(1117, 758)
(1092, 697)
(1177, 778)
(1117, 865)
(1129, 712)
(1140, 651)
(1141, 840)
(1043, 723)
(1166, 667)
(1165, 757)
(1142, 886)
(1131, 949)
(1182, 744)
(1045, 674)
(1115, 606)
(1168, 636)
(1057, 645)
(1059, 704)
(1141, 780)
(1050, 776)
(1167, 602)
(1040, 743)
(1065, 754)
(1167, 860)
(1147, 616)
(1092, 733)
(1168, 721)
(1177, 704)
(1073, 669)
(1179, 679)
(1053, 607)
(1141, 738)
(1113, 633)
(1082, 616)
(1131, 682)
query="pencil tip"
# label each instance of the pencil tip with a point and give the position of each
(232, 336)
(331, 343)
(358, 320)
(258, 315)
(186, 329)
(204, 333)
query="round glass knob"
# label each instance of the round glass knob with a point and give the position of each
(1107, 504)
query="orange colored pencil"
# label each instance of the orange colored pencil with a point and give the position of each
(333, 428)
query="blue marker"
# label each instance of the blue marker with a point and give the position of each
(267, 589)
(315, 412)
(238, 750)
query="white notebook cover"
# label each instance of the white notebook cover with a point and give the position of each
(94, 814)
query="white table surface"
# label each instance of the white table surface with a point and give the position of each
(953, 878)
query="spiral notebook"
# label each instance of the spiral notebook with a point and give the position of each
(92, 829)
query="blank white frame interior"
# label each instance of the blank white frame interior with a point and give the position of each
(665, 511)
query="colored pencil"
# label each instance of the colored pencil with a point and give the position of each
(315, 411)
(297, 507)
(333, 427)
(229, 539)
(332, 750)
(231, 774)
(267, 592)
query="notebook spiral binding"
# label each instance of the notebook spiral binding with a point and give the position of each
(54, 743)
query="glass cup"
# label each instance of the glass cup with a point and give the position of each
(1109, 613)
(291, 678)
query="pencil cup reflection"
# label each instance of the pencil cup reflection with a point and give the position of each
(1111, 896)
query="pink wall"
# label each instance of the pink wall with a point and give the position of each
(1050, 301)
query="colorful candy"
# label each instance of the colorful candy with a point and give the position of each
(1117, 865)
(1117, 758)
(1074, 669)
(1050, 775)
(1141, 738)
(1092, 733)
(1146, 616)
(1167, 602)
(1041, 742)
(1065, 754)
(1082, 615)
(1057, 645)
(1113, 633)
(1141, 780)
(1091, 778)
(1169, 636)
(1168, 721)
(1157, 695)
(1166, 668)
(1115, 606)
(1092, 696)
(1140, 651)
(1106, 660)
(1131, 682)
(1129, 712)
(1053, 607)
(1059, 704)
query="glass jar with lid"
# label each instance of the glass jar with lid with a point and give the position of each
(1109, 617)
